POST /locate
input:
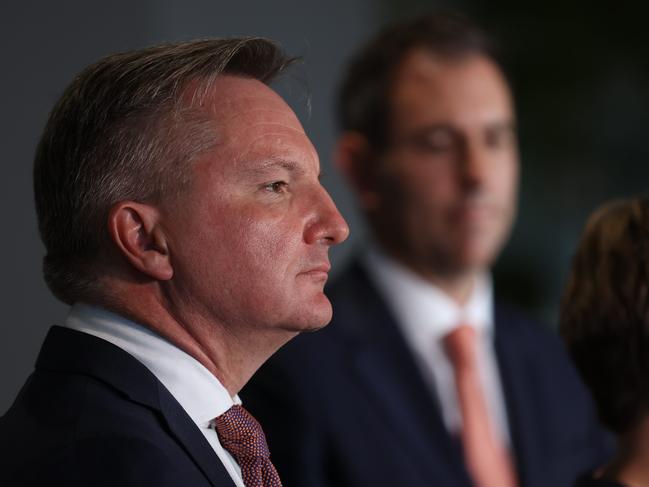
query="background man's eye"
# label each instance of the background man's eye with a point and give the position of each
(501, 138)
(435, 141)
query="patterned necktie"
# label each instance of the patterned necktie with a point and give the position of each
(486, 458)
(242, 436)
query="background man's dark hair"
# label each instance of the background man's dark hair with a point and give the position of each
(605, 311)
(363, 101)
(126, 128)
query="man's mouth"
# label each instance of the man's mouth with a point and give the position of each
(318, 272)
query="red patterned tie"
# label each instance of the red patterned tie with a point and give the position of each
(242, 436)
(486, 457)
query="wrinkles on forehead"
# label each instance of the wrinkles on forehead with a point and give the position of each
(253, 123)
(272, 146)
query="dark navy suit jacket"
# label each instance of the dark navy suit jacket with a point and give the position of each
(589, 481)
(347, 406)
(92, 415)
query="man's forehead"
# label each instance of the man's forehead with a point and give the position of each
(467, 86)
(423, 66)
(252, 123)
(233, 97)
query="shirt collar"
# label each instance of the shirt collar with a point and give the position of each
(199, 393)
(423, 311)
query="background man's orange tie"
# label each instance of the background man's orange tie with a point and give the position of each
(486, 458)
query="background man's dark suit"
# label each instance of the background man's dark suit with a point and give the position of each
(357, 412)
(108, 422)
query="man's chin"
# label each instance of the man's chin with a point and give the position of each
(306, 327)
(470, 256)
(317, 316)
(313, 328)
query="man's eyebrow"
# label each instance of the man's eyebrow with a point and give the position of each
(427, 130)
(504, 125)
(266, 165)
(423, 133)
(509, 124)
(283, 163)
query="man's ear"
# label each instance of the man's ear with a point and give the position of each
(135, 228)
(353, 156)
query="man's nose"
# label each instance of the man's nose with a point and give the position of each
(328, 225)
(475, 165)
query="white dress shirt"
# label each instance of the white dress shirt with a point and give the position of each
(425, 315)
(199, 393)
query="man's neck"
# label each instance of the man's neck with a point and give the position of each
(457, 285)
(231, 353)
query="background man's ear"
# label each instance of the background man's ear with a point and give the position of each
(353, 156)
(135, 228)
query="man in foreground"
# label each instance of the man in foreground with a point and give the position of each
(421, 379)
(179, 203)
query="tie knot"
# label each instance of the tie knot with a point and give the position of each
(241, 434)
(460, 346)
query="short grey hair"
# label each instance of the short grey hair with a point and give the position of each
(127, 128)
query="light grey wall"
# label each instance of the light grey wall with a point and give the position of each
(44, 44)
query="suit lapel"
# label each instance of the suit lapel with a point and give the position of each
(73, 351)
(409, 411)
(525, 419)
(386, 370)
(187, 434)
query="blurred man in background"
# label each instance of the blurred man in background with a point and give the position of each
(421, 379)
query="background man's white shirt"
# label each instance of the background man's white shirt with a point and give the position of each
(199, 393)
(425, 314)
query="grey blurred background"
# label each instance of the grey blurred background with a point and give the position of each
(580, 75)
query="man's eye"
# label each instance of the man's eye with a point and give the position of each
(501, 137)
(276, 186)
(436, 141)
